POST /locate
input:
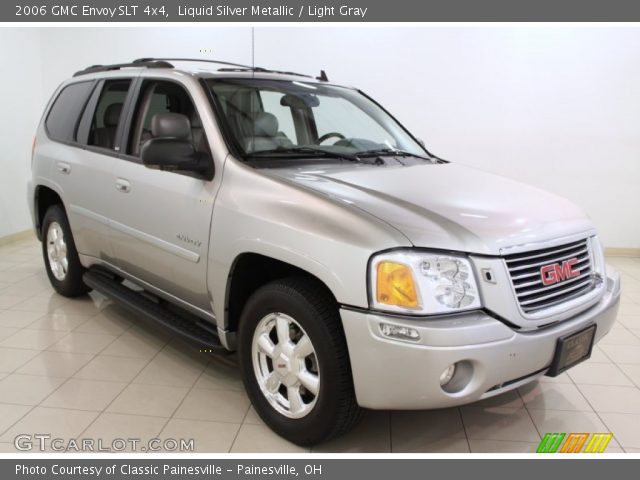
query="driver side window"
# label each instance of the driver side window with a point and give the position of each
(158, 97)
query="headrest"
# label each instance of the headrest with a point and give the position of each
(112, 115)
(175, 125)
(265, 125)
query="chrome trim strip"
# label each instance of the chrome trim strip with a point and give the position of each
(579, 293)
(537, 273)
(145, 237)
(89, 214)
(570, 247)
(156, 242)
(545, 262)
(547, 287)
(524, 303)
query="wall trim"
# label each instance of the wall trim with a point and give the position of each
(16, 237)
(622, 252)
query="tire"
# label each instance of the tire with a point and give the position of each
(332, 410)
(60, 255)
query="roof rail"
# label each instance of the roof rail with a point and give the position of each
(234, 67)
(165, 63)
(144, 63)
(219, 62)
(262, 70)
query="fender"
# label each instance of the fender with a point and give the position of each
(220, 271)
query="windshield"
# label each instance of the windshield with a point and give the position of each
(276, 118)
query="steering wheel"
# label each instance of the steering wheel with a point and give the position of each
(327, 136)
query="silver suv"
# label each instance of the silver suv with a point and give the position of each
(298, 223)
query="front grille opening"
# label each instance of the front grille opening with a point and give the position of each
(532, 294)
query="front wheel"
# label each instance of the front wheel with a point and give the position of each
(295, 363)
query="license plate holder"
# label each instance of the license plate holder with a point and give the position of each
(571, 350)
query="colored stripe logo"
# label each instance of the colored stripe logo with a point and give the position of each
(574, 443)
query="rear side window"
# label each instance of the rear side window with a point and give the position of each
(63, 116)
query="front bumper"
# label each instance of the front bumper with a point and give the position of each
(392, 374)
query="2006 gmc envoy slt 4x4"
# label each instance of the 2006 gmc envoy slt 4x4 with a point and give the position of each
(298, 223)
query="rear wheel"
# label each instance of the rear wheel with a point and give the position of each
(295, 363)
(60, 255)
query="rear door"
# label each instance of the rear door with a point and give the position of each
(84, 166)
(161, 219)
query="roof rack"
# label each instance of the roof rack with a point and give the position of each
(262, 70)
(165, 63)
(143, 62)
(219, 62)
(231, 67)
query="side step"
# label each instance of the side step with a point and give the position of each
(188, 326)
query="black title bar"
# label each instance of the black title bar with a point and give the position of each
(313, 469)
(320, 11)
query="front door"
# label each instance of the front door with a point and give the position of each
(161, 220)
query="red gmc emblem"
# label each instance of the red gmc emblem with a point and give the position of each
(558, 272)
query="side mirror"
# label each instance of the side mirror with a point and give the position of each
(168, 153)
(171, 147)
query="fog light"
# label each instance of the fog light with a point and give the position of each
(399, 332)
(447, 375)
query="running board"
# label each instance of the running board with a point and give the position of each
(144, 305)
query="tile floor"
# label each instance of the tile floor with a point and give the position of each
(86, 368)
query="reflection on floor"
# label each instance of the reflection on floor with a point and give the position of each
(85, 368)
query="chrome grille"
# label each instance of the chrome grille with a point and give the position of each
(533, 295)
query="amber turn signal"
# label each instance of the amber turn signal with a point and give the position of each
(395, 285)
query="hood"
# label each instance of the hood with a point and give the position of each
(446, 206)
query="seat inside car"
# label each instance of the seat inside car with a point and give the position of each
(263, 134)
(169, 124)
(105, 136)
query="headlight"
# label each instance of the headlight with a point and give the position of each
(422, 283)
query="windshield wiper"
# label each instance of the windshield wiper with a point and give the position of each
(390, 151)
(316, 152)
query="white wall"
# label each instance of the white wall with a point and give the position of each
(558, 108)
(87, 46)
(20, 109)
(554, 107)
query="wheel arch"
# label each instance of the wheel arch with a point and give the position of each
(249, 271)
(44, 197)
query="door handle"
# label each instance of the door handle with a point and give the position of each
(123, 185)
(64, 168)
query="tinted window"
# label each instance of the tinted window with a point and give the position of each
(106, 117)
(65, 111)
(157, 97)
